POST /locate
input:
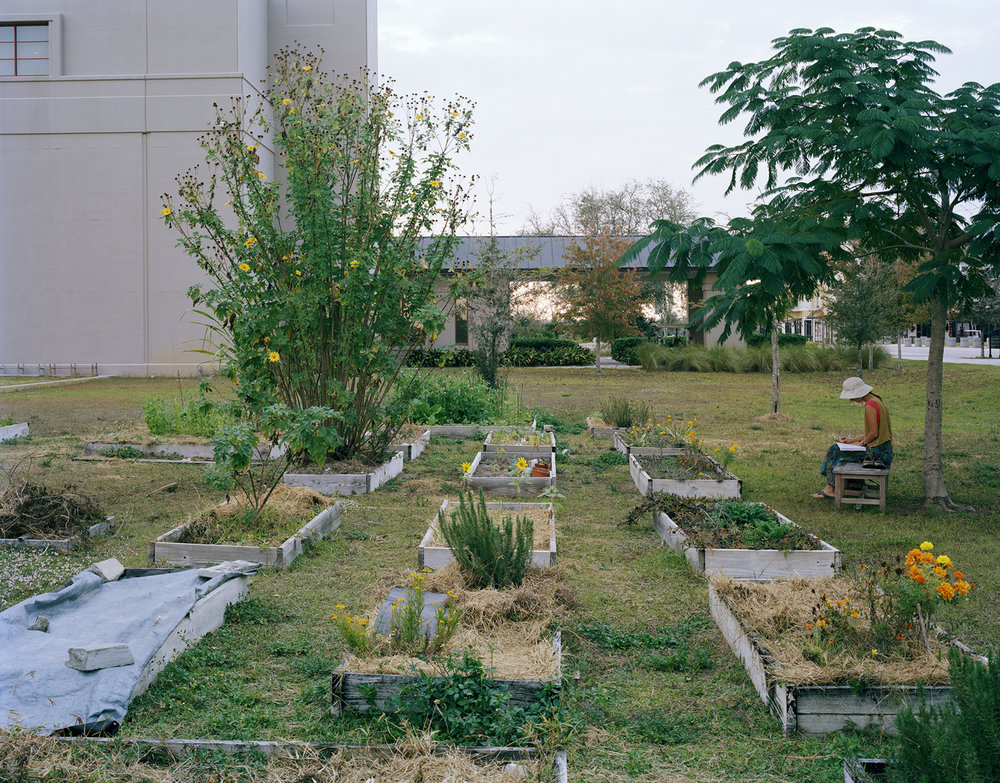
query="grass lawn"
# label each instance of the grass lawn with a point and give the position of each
(266, 673)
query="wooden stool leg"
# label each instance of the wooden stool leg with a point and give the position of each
(838, 490)
(883, 492)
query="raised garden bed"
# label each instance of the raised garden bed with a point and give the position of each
(490, 472)
(62, 544)
(159, 452)
(348, 483)
(489, 760)
(433, 553)
(13, 432)
(743, 563)
(815, 709)
(531, 444)
(469, 430)
(169, 548)
(505, 629)
(600, 430)
(865, 770)
(626, 448)
(413, 443)
(717, 483)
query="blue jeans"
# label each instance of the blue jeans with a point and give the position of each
(835, 456)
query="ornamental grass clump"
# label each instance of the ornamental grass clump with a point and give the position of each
(490, 555)
(623, 412)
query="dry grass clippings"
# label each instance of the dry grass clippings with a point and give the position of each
(32, 510)
(778, 611)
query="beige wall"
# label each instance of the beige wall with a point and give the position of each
(88, 272)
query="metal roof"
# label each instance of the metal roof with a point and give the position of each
(551, 251)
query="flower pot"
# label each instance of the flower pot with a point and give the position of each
(540, 469)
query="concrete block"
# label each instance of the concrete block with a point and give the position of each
(109, 570)
(99, 656)
(229, 567)
(40, 624)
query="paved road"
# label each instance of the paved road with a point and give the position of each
(951, 355)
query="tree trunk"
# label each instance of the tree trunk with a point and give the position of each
(934, 488)
(899, 353)
(775, 373)
(861, 360)
(871, 357)
(597, 351)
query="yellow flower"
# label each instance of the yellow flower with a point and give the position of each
(461, 135)
(927, 546)
(944, 561)
(298, 273)
(355, 263)
(454, 114)
(251, 147)
(435, 183)
(245, 267)
(522, 463)
(274, 356)
(341, 606)
(286, 101)
(250, 242)
(820, 623)
(267, 340)
(420, 116)
(307, 67)
(466, 467)
(165, 211)
(262, 175)
(874, 652)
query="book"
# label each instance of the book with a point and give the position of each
(850, 447)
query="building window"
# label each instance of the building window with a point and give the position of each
(24, 49)
(461, 322)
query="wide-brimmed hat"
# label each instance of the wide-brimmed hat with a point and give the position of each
(854, 388)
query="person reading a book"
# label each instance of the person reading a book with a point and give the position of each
(874, 448)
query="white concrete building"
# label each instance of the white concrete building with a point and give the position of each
(101, 106)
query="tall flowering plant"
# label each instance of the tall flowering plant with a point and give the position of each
(322, 284)
(895, 604)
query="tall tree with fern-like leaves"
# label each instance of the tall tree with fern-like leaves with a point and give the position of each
(853, 148)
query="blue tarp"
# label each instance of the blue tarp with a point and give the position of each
(39, 692)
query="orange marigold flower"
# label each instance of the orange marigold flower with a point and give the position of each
(917, 576)
(958, 574)
(962, 587)
(899, 637)
(946, 591)
(926, 558)
(820, 623)
(939, 572)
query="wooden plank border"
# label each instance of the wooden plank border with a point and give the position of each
(816, 710)
(348, 483)
(506, 485)
(541, 450)
(61, 544)
(729, 487)
(14, 431)
(167, 549)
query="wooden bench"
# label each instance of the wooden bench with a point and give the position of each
(847, 471)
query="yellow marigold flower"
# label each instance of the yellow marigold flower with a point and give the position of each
(245, 267)
(466, 467)
(522, 463)
(944, 561)
(820, 623)
(946, 591)
(926, 546)
(250, 242)
(307, 67)
(165, 211)
(274, 356)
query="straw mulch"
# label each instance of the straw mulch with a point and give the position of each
(778, 612)
(32, 510)
(29, 757)
(287, 510)
(540, 520)
(507, 629)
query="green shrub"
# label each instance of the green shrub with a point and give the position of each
(624, 349)
(622, 412)
(541, 343)
(755, 340)
(461, 399)
(489, 555)
(202, 418)
(441, 357)
(959, 740)
(564, 356)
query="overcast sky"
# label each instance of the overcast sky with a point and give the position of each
(573, 93)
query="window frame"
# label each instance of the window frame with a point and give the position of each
(53, 23)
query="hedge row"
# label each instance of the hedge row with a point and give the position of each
(755, 340)
(516, 356)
